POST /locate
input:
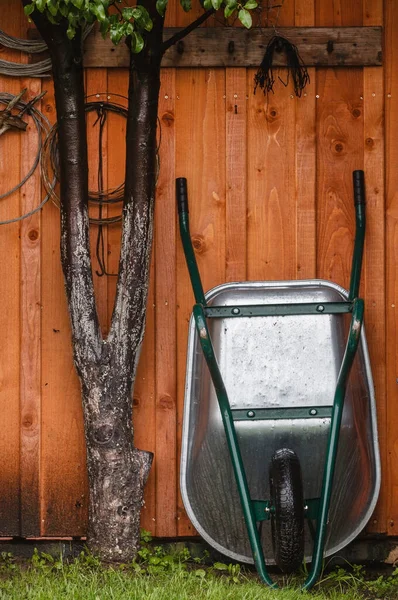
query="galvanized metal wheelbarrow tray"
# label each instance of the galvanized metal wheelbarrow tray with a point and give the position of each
(283, 379)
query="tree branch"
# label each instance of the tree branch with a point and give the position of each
(184, 32)
(67, 62)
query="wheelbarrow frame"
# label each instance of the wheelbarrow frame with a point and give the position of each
(260, 510)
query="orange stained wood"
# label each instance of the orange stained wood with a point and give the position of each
(165, 424)
(306, 160)
(30, 397)
(10, 318)
(63, 466)
(391, 132)
(236, 164)
(200, 156)
(270, 194)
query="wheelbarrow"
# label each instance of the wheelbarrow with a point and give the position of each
(280, 459)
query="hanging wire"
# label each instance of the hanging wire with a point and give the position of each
(296, 68)
(42, 127)
(39, 69)
(100, 245)
(50, 161)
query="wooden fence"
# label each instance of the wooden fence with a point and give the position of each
(271, 198)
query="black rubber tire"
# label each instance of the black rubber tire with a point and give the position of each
(287, 516)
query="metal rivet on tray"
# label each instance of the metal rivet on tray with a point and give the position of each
(313, 411)
(320, 308)
(251, 413)
(235, 311)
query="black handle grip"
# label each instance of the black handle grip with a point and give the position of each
(359, 187)
(182, 195)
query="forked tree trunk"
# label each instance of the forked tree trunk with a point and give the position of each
(117, 471)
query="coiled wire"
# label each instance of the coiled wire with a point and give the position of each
(42, 125)
(39, 69)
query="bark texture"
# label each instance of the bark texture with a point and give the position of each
(117, 470)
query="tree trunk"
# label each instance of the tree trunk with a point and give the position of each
(117, 471)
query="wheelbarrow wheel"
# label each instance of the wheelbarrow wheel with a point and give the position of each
(287, 516)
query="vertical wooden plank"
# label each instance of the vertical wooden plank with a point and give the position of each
(304, 13)
(200, 156)
(30, 399)
(286, 13)
(340, 150)
(271, 184)
(63, 465)
(166, 367)
(236, 159)
(306, 160)
(145, 434)
(96, 83)
(10, 170)
(391, 106)
(372, 13)
(339, 13)
(374, 263)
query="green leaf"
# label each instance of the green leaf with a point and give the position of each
(143, 20)
(216, 4)
(78, 3)
(200, 573)
(41, 5)
(99, 11)
(28, 9)
(104, 27)
(186, 5)
(128, 13)
(52, 19)
(220, 566)
(52, 7)
(207, 5)
(71, 31)
(250, 5)
(245, 18)
(115, 35)
(228, 10)
(161, 6)
(137, 42)
(63, 9)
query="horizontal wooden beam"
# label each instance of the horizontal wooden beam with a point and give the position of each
(238, 47)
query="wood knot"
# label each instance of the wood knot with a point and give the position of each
(166, 402)
(27, 421)
(198, 242)
(33, 235)
(271, 114)
(339, 147)
(356, 113)
(369, 142)
(231, 47)
(180, 47)
(168, 119)
(136, 401)
(49, 108)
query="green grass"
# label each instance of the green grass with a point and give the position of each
(159, 574)
(78, 583)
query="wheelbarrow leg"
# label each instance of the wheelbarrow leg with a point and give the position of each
(333, 440)
(233, 444)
